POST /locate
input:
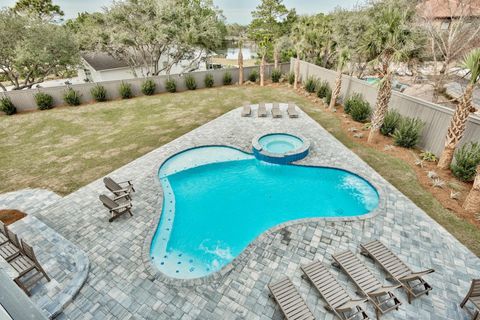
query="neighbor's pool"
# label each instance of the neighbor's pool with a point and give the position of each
(218, 199)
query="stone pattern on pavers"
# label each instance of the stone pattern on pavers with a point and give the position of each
(121, 286)
(28, 201)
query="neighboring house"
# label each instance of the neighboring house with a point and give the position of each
(98, 66)
(443, 12)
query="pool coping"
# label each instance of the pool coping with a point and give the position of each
(244, 257)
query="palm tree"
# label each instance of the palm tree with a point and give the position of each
(298, 38)
(240, 62)
(343, 58)
(472, 202)
(390, 38)
(263, 48)
(463, 110)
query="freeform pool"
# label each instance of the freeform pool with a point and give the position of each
(218, 199)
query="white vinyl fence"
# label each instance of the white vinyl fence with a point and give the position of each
(436, 117)
(24, 99)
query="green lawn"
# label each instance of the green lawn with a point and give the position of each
(66, 148)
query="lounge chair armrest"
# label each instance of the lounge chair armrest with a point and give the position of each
(415, 275)
(123, 206)
(383, 290)
(121, 196)
(129, 182)
(351, 304)
(121, 190)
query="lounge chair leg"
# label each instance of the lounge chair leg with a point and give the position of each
(336, 265)
(475, 315)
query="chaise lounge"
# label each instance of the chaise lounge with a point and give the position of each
(276, 113)
(291, 303)
(246, 110)
(473, 296)
(8, 250)
(262, 110)
(117, 189)
(380, 296)
(338, 300)
(291, 110)
(411, 281)
(3, 233)
(116, 209)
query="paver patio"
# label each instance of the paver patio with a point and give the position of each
(121, 283)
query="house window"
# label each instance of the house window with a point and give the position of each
(445, 25)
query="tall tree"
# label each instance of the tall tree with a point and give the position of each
(342, 60)
(32, 49)
(264, 47)
(463, 110)
(450, 39)
(391, 37)
(41, 9)
(240, 62)
(299, 39)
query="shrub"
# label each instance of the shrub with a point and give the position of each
(310, 84)
(355, 98)
(125, 90)
(408, 132)
(44, 101)
(360, 111)
(171, 85)
(390, 123)
(322, 89)
(291, 77)
(276, 75)
(148, 87)
(328, 97)
(190, 82)
(71, 97)
(253, 76)
(7, 106)
(209, 82)
(99, 93)
(227, 78)
(428, 156)
(467, 158)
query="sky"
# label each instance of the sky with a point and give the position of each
(234, 10)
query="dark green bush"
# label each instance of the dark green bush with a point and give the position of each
(390, 123)
(408, 132)
(7, 106)
(171, 85)
(360, 110)
(125, 90)
(148, 87)
(353, 99)
(322, 89)
(467, 158)
(328, 97)
(99, 93)
(44, 101)
(227, 78)
(276, 75)
(291, 77)
(190, 82)
(253, 76)
(209, 81)
(311, 84)
(71, 97)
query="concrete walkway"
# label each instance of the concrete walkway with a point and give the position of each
(121, 284)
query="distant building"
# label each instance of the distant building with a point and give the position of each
(98, 66)
(443, 12)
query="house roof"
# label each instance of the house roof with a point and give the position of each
(441, 9)
(102, 61)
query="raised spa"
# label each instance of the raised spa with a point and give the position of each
(218, 199)
(280, 148)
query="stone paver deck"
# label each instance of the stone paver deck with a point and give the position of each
(121, 284)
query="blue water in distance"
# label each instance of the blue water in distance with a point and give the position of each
(219, 199)
(280, 143)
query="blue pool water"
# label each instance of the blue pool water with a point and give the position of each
(218, 199)
(280, 143)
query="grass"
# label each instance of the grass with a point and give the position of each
(64, 149)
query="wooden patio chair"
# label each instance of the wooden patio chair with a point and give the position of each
(29, 269)
(338, 300)
(291, 110)
(411, 281)
(276, 113)
(116, 209)
(380, 296)
(246, 110)
(473, 296)
(10, 249)
(120, 189)
(3, 233)
(262, 110)
(291, 303)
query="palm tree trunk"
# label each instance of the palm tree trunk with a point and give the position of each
(457, 127)
(262, 71)
(381, 106)
(336, 90)
(240, 66)
(297, 73)
(472, 203)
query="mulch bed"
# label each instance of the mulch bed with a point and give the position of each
(9, 216)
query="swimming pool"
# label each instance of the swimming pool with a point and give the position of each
(218, 199)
